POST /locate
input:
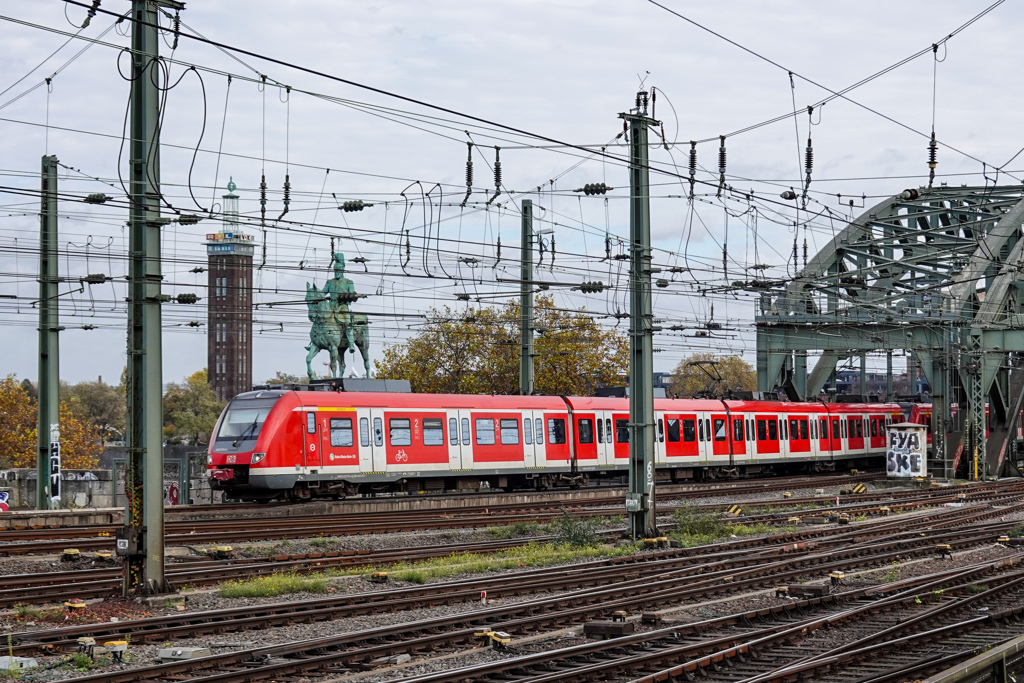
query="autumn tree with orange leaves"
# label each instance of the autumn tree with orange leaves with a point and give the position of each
(80, 442)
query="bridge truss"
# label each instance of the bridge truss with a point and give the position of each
(937, 272)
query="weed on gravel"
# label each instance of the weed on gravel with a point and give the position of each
(274, 584)
(694, 527)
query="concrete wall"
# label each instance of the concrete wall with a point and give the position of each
(79, 488)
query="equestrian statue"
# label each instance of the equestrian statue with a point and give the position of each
(335, 328)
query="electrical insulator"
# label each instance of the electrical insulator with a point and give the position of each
(595, 287)
(194, 323)
(909, 194)
(188, 219)
(347, 297)
(354, 205)
(287, 195)
(187, 298)
(95, 279)
(721, 164)
(497, 175)
(933, 153)
(469, 173)
(662, 282)
(198, 269)
(593, 189)
(693, 165)
(808, 164)
(788, 194)
(88, 327)
(97, 198)
(263, 197)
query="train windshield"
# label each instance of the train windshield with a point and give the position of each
(243, 421)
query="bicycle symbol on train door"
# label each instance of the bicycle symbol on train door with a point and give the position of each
(401, 456)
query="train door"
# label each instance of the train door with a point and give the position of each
(311, 439)
(748, 421)
(533, 454)
(378, 461)
(365, 439)
(719, 436)
(659, 439)
(739, 435)
(454, 440)
(605, 442)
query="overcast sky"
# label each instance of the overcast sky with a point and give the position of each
(560, 69)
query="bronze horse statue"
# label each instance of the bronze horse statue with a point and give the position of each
(336, 332)
(325, 334)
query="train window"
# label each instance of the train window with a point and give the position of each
(607, 430)
(750, 429)
(688, 431)
(509, 431)
(585, 430)
(622, 431)
(835, 428)
(782, 429)
(378, 431)
(803, 429)
(484, 431)
(311, 422)
(538, 429)
(661, 430)
(707, 427)
(700, 431)
(465, 431)
(773, 433)
(762, 430)
(453, 431)
(400, 432)
(556, 430)
(672, 427)
(528, 431)
(720, 433)
(737, 430)
(341, 432)
(874, 427)
(433, 431)
(364, 432)
(860, 429)
(794, 428)
(823, 428)
(600, 431)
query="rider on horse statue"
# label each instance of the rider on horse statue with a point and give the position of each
(335, 328)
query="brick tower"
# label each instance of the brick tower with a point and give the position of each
(229, 304)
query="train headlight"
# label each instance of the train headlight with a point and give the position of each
(209, 459)
(258, 457)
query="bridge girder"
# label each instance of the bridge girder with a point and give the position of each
(935, 271)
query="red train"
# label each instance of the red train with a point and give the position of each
(303, 444)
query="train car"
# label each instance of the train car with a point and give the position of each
(304, 444)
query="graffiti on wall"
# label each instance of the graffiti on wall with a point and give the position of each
(905, 456)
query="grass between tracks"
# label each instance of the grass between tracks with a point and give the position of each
(449, 566)
(694, 527)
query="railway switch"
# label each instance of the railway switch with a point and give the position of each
(944, 550)
(177, 654)
(496, 639)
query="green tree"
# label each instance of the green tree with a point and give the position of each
(477, 351)
(707, 372)
(100, 404)
(191, 408)
(287, 378)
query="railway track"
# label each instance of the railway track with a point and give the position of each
(358, 651)
(670, 577)
(105, 581)
(197, 532)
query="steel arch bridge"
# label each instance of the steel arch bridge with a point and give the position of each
(938, 272)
